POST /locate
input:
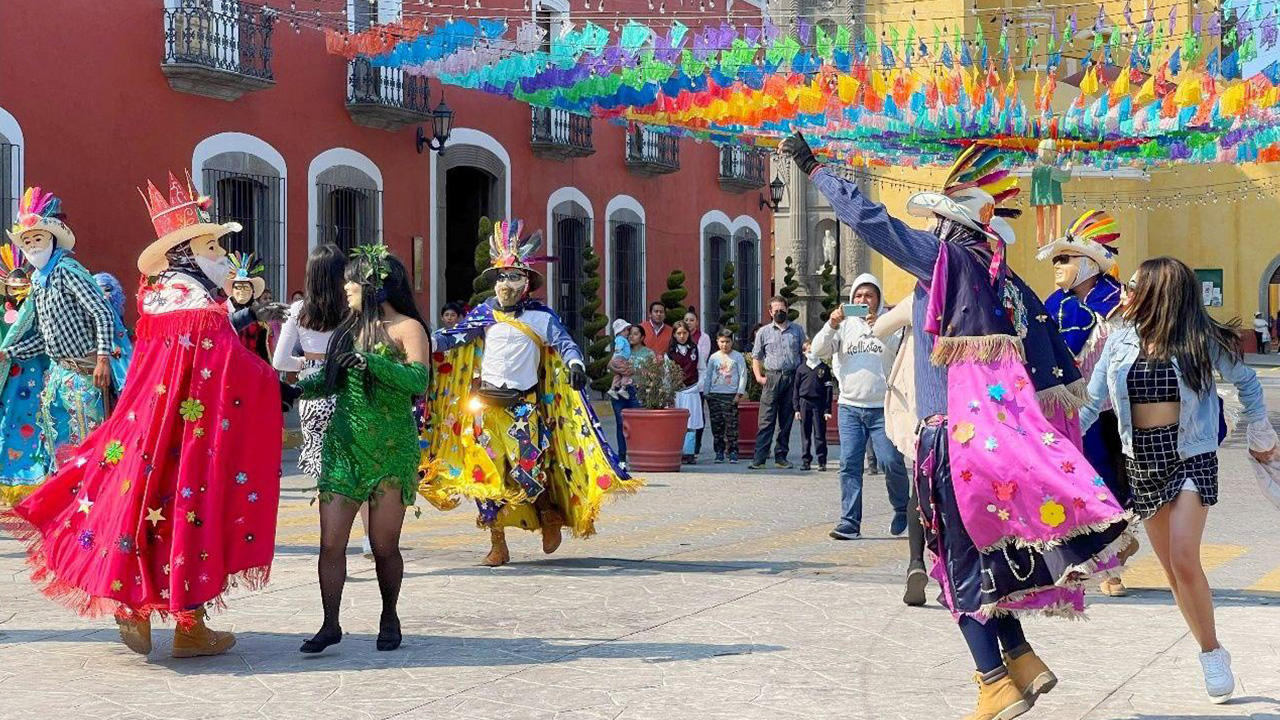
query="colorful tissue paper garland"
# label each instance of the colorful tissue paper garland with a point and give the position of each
(754, 85)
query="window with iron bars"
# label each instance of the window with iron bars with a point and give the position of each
(348, 216)
(254, 201)
(717, 258)
(225, 35)
(10, 157)
(626, 270)
(573, 232)
(748, 289)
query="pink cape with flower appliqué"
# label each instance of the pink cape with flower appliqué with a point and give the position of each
(173, 499)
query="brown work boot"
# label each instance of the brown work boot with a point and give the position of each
(552, 522)
(498, 554)
(199, 641)
(135, 633)
(1113, 587)
(998, 700)
(1030, 675)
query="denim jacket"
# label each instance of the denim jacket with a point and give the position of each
(1198, 419)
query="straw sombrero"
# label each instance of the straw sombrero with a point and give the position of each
(247, 269)
(181, 218)
(41, 210)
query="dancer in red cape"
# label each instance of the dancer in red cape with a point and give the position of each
(173, 499)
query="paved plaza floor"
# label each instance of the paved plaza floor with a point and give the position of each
(713, 593)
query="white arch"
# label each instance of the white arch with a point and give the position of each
(10, 128)
(746, 221)
(227, 142)
(331, 158)
(459, 136)
(622, 202)
(563, 195)
(709, 285)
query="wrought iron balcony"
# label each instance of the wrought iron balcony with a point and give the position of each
(220, 53)
(742, 169)
(385, 98)
(652, 153)
(560, 134)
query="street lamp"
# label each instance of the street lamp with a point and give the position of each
(775, 195)
(441, 127)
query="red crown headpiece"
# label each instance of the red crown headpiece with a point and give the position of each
(183, 208)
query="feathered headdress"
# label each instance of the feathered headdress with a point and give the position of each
(10, 259)
(1092, 235)
(246, 268)
(40, 210)
(983, 167)
(508, 250)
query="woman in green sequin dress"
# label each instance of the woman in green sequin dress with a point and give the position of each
(376, 363)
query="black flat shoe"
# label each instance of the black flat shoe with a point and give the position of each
(389, 636)
(321, 641)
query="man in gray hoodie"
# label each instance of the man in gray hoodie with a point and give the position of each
(861, 363)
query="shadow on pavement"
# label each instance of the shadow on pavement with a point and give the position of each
(595, 566)
(1222, 597)
(278, 652)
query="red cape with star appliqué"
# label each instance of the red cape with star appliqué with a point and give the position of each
(173, 499)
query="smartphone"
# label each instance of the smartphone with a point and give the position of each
(856, 310)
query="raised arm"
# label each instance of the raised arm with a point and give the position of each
(912, 250)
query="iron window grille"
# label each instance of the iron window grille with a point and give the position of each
(717, 258)
(254, 201)
(626, 270)
(226, 35)
(561, 127)
(573, 233)
(348, 216)
(748, 291)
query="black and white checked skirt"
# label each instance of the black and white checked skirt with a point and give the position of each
(1157, 474)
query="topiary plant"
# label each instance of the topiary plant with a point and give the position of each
(599, 346)
(789, 287)
(482, 286)
(673, 298)
(830, 291)
(728, 319)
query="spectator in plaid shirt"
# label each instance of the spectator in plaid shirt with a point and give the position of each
(67, 319)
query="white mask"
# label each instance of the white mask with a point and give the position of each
(39, 257)
(216, 269)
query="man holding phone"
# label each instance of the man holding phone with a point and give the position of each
(862, 363)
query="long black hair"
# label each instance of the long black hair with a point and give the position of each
(362, 330)
(1167, 309)
(324, 304)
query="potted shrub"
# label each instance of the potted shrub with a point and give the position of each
(749, 415)
(655, 430)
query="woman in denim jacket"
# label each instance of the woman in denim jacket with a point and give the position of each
(1157, 370)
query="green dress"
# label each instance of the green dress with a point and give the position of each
(1046, 184)
(372, 439)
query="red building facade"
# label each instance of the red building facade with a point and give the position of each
(302, 147)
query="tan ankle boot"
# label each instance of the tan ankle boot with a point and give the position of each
(552, 523)
(135, 633)
(1113, 587)
(1030, 675)
(498, 554)
(199, 640)
(998, 700)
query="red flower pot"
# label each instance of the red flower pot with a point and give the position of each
(748, 426)
(655, 438)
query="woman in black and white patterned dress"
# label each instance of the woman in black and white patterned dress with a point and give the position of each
(304, 338)
(1158, 371)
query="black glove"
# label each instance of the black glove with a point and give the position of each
(289, 394)
(798, 150)
(578, 376)
(351, 361)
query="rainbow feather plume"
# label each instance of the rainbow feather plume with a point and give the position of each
(1095, 225)
(10, 259)
(246, 264)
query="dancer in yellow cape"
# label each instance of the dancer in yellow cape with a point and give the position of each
(509, 424)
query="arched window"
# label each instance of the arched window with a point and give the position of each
(10, 169)
(249, 190)
(571, 225)
(748, 267)
(348, 203)
(717, 254)
(626, 265)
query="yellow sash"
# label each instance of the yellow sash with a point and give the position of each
(520, 325)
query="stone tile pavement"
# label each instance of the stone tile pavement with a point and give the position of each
(711, 594)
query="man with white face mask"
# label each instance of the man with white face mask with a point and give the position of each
(68, 320)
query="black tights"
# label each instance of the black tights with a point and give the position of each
(985, 640)
(386, 518)
(915, 532)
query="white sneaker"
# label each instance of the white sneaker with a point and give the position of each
(1218, 680)
(366, 548)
